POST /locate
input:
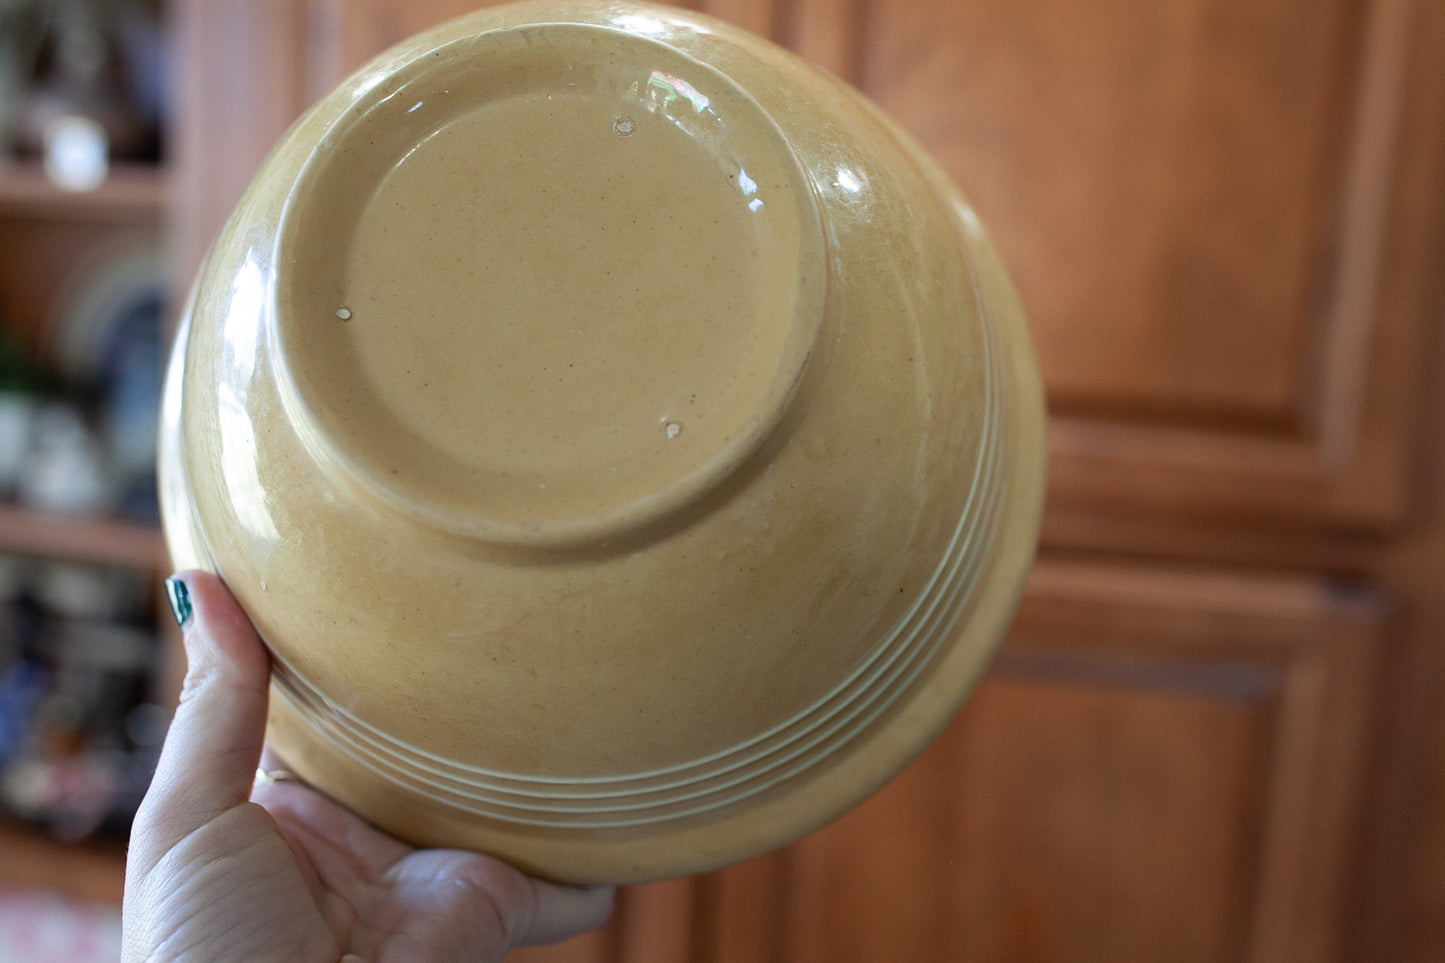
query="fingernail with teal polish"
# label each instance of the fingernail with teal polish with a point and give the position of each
(180, 600)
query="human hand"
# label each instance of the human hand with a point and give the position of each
(221, 869)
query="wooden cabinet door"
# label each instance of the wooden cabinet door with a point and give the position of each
(1218, 216)
(1161, 766)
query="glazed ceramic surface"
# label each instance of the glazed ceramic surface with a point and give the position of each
(625, 438)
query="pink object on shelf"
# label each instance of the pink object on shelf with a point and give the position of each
(38, 927)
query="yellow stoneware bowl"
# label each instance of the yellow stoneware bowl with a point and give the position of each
(625, 438)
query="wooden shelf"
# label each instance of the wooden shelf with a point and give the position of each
(129, 192)
(103, 541)
(89, 871)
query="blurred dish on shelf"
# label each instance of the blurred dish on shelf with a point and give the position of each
(105, 337)
(66, 471)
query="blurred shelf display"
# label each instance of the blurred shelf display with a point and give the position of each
(92, 871)
(79, 725)
(95, 539)
(86, 666)
(129, 190)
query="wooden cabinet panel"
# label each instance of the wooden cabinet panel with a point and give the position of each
(651, 924)
(348, 32)
(1160, 176)
(345, 33)
(1063, 822)
(1160, 767)
(1202, 205)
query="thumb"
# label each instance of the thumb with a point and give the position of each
(208, 763)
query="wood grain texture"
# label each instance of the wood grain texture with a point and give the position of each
(1345, 461)
(240, 81)
(1195, 200)
(743, 912)
(344, 34)
(1158, 176)
(85, 872)
(756, 16)
(1164, 765)
(1402, 885)
(594, 947)
(655, 922)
